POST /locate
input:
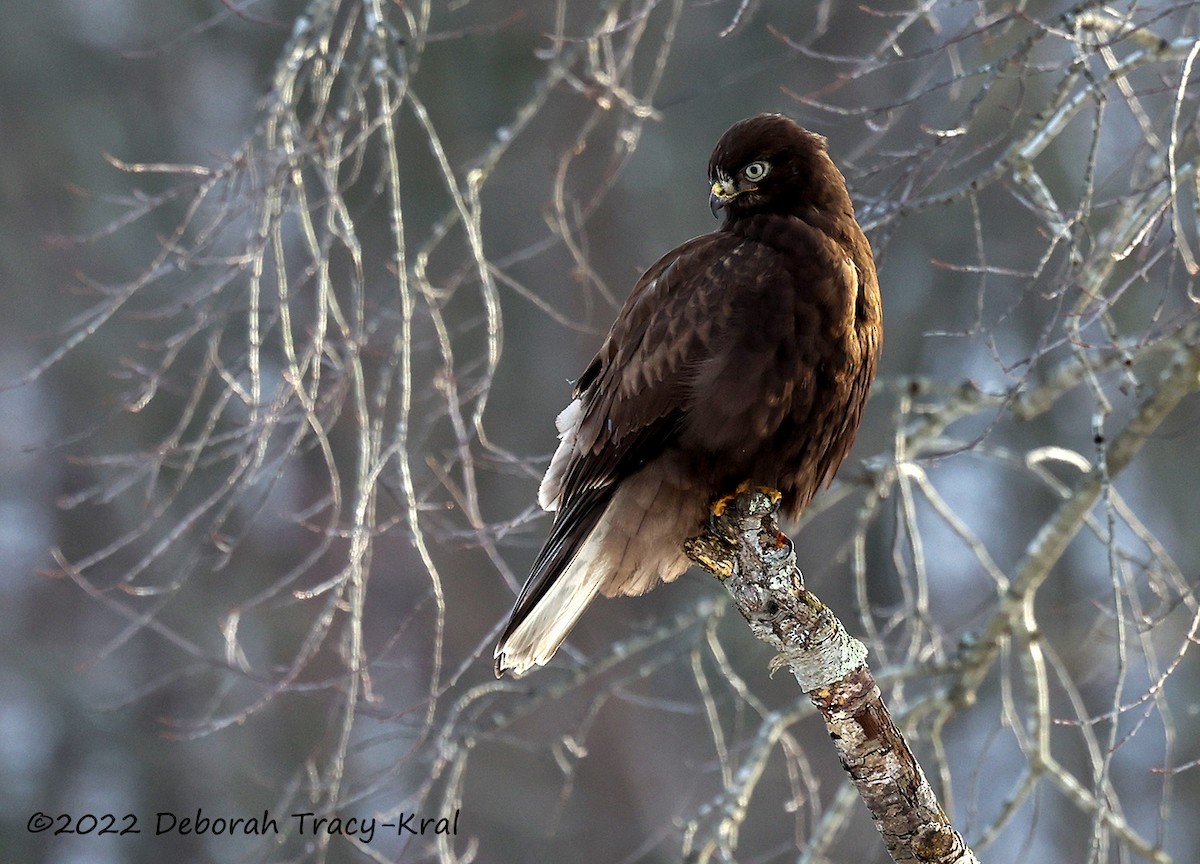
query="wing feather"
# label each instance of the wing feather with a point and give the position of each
(636, 391)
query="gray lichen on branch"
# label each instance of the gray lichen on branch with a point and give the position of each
(745, 550)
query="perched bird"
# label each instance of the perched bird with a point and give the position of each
(742, 355)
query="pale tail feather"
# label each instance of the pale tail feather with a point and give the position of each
(534, 641)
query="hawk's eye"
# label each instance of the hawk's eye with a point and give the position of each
(755, 171)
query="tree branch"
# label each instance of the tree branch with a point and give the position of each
(745, 550)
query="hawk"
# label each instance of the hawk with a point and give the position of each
(743, 355)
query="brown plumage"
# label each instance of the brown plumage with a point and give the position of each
(742, 355)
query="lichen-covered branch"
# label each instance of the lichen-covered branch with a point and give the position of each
(744, 549)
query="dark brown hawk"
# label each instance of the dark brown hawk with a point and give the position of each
(742, 355)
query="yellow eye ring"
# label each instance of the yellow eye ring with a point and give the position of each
(755, 171)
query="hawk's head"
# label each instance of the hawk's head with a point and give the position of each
(770, 164)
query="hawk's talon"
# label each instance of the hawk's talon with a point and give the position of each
(717, 508)
(771, 492)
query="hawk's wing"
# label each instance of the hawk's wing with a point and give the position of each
(635, 391)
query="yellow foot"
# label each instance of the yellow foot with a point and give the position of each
(719, 506)
(771, 492)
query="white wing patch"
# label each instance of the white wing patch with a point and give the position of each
(567, 422)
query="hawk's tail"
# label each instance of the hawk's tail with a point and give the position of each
(568, 573)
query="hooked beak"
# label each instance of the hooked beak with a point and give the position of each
(722, 193)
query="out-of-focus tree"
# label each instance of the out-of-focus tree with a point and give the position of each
(326, 359)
